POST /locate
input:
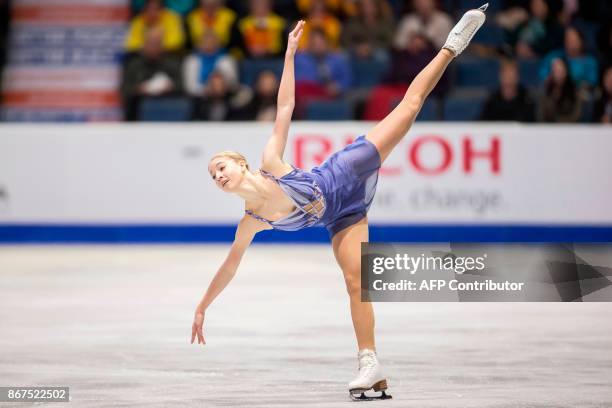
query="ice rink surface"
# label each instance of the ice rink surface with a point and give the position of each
(114, 324)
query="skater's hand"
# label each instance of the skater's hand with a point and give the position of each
(294, 38)
(198, 323)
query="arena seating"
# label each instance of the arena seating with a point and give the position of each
(167, 109)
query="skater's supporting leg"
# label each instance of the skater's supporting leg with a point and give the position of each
(347, 249)
(388, 132)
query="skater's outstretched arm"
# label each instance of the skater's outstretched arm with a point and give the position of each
(272, 159)
(247, 228)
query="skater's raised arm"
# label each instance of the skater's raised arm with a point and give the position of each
(273, 152)
(247, 228)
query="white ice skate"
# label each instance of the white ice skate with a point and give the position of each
(370, 377)
(461, 35)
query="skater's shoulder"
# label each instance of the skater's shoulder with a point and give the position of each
(251, 223)
(276, 168)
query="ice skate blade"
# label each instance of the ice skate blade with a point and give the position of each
(362, 397)
(358, 394)
(378, 386)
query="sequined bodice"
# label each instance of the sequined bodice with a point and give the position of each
(302, 188)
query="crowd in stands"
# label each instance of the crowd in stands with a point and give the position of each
(534, 60)
(4, 27)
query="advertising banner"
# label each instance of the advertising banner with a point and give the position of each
(460, 175)
(63, 60)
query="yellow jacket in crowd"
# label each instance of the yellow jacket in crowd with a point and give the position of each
(169, 22)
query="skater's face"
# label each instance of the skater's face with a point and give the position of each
(226, 172)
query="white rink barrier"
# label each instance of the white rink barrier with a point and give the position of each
(441, 174)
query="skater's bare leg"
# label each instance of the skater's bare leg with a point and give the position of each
(388, 132)
(347, 249)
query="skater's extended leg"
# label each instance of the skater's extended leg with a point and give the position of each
(388, 132)
(347, 250)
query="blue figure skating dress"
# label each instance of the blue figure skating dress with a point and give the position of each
(336, 194)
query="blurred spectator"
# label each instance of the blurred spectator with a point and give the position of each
(208, 57)
(262, 106)
(211, 15)
(152, 72)
(511, 102)
(220, 100)
(4, 24)
(155, 17)
(603, 106)
(426, 20)
(338, 7)
(287, 9)
(512, 4)
(594, 10)
(583, 67)
(262, 31)
(561, 100)
(568, 11)
(406, 63)
(320, 73)
(321, 67)
(178, 6)
(605, 44)
(370, 32)
(241, 7)
(542, 33)
(319, 18)
(181, 7)
(513, 15)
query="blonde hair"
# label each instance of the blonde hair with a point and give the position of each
(237, 157)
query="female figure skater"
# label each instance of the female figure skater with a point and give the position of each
(336, 194)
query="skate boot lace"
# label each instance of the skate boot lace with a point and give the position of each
(367, 364)
(472, 25)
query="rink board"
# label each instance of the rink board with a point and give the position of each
(443, 182)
